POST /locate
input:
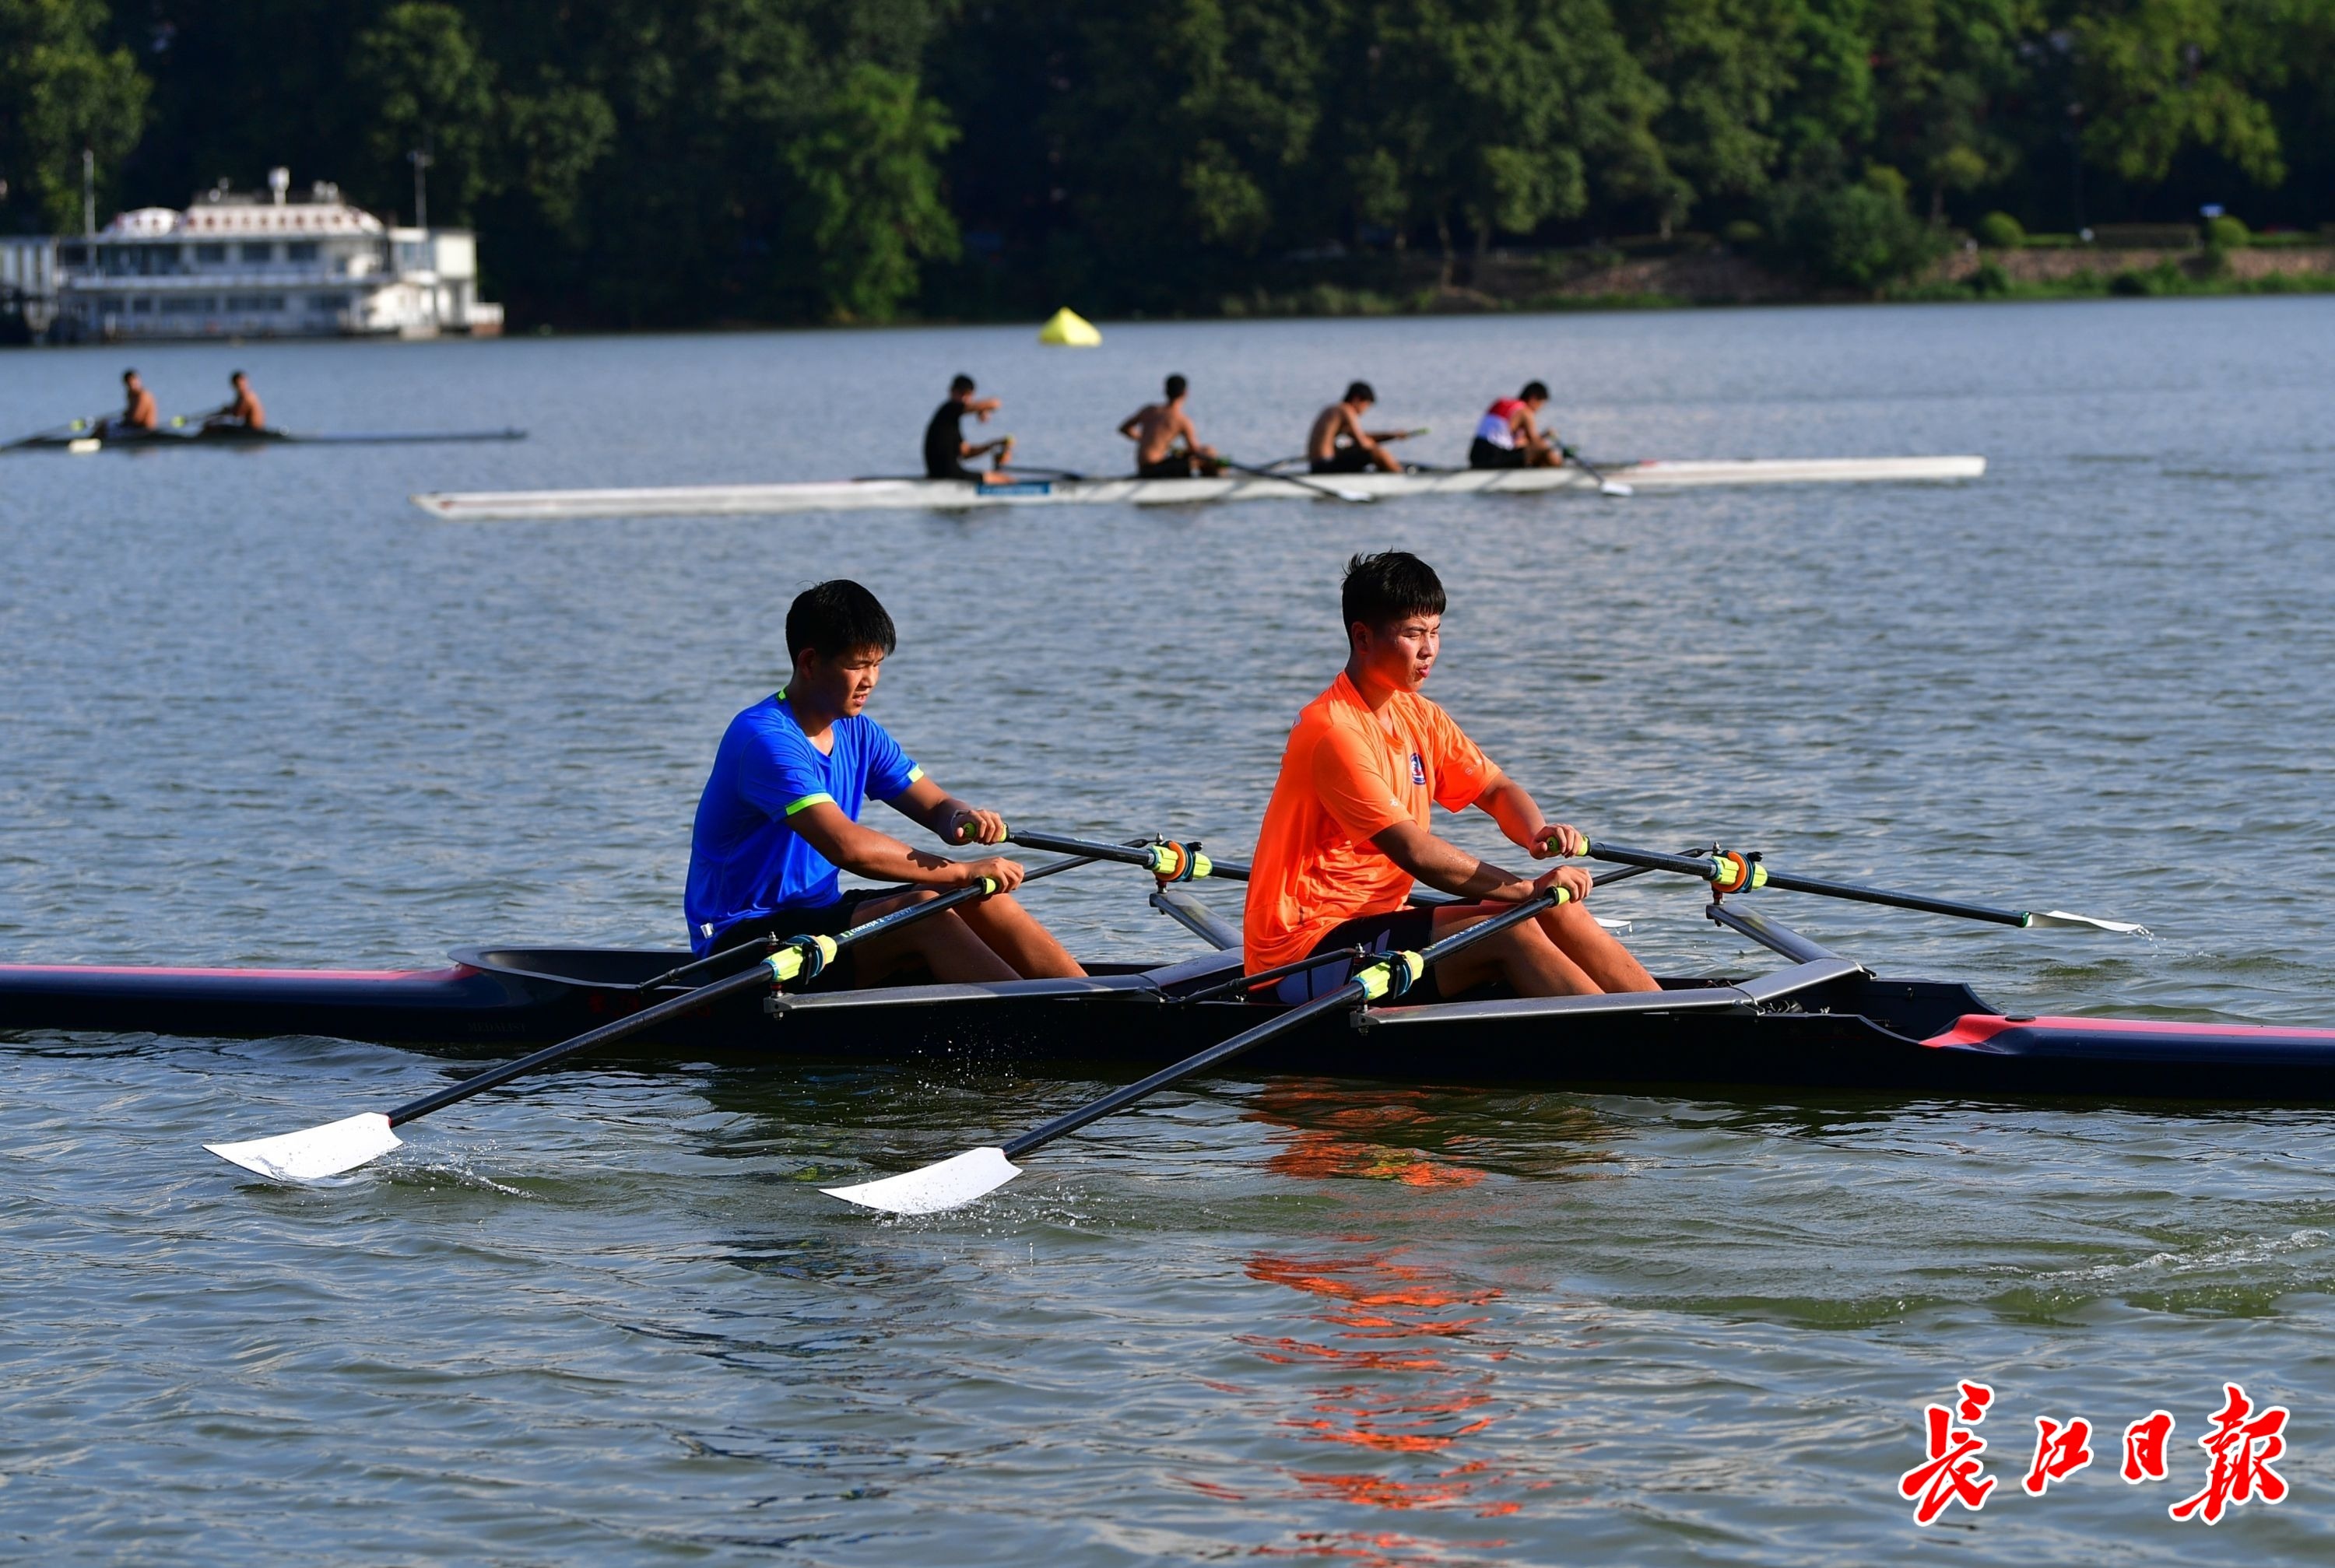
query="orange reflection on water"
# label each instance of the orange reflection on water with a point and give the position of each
(1329, 1132)
(1407, 1378)
(1424, 1395)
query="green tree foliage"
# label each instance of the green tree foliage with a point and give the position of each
(62, 90)
(1859, 235)
(2161, 76)
(872, 206)
(1492, 114)
(639, 162)
(429, 89)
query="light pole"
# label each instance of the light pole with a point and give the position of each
(87, 194)
(421, 162)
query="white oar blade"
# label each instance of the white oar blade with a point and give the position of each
(949, 1185)
(313, 1153)
(2061, 918)
(1615, 488)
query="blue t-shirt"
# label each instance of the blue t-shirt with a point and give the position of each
(744, 860)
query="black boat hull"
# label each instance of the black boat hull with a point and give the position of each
(1819, 1027)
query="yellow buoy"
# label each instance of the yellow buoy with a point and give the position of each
(1068, 329)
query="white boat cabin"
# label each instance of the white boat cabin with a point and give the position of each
(238, 264)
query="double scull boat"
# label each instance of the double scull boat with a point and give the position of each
(1816, 1022)
(959, 495)
(84, 438)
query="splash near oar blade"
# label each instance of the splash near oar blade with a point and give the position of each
(2061, 918)
(949, 1185)
(313, 1153)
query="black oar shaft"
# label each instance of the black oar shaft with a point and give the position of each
(1711, 869)
(1143, 854)
(760, 976)
(1345, 996)
(1895, 900)
(608, 1033)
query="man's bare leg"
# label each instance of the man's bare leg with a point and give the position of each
(1016, 936)
(944, 944)
(1597, 952)
(1386, 459)
(1523, 957)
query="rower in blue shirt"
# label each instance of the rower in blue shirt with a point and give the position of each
(780, 820)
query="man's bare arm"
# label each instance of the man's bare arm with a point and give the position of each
(881, 857)
(1447, 867)
(1511, 805)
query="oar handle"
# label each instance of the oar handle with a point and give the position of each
(1392, 975)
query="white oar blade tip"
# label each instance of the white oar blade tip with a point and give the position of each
(949, 1185)
(1615, 487)
(2061, 918)
(312, 1153)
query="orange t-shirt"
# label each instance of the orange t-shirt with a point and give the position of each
(1347, 774)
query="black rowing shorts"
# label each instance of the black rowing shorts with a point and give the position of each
(1483, 454)
(1345, 460)
(1401, 931)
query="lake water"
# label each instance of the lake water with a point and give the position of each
(254, 708)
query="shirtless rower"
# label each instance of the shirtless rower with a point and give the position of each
(1155, 428)
(1509, 435)
(240, 412)
(946, 448)
(780, 819)
(1345, 833)
(137, 416)
(1338, 444)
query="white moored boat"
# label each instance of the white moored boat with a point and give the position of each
(955, 495)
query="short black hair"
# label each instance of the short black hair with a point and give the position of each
(838, 617)
(1361, 393)
(1387, 587)
(235, 375)
(1534, 389)
(960, 385)
(128, 374)
(1176, 387)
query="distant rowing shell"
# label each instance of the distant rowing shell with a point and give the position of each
(83, 445)
(953, 495)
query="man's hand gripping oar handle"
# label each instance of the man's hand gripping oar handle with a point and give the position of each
(960, 1180)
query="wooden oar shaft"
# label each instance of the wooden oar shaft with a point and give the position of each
(1347, 995)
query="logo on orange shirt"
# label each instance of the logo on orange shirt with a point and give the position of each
(1418, 770)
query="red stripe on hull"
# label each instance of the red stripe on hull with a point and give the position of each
(1975, 1029)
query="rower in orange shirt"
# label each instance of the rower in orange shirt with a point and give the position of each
(1346, 832)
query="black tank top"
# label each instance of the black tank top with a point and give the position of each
(943, 439)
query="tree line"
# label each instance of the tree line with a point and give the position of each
(677, 162)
